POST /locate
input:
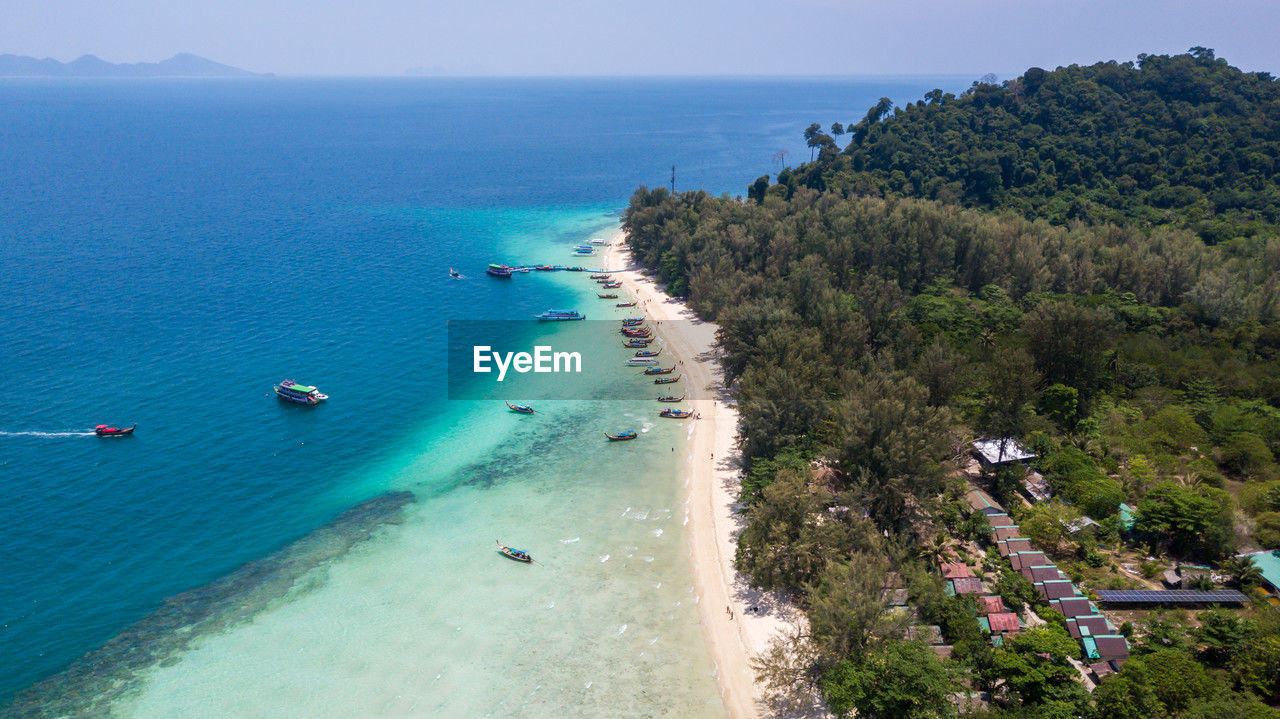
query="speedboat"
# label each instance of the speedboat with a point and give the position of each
(103, 430)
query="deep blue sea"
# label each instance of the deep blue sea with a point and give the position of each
(169, 249)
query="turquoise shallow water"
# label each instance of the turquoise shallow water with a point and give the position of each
(168, 250)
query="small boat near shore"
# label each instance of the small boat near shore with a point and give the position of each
(502, 271)
(521, 408)
(600, 276)
(103, 430)
(649, 353)
(632, 303)
(667, 380)
(637, 342)
(642, 362)
(517, 554)
(670, 398)
(622, 436)
(659, 370)
(676, 413)
(632, 321)
(291, 391)
(561, 315)
(612, 285)
(606, 297)
(637, 332)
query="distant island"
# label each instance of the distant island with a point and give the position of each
(180, 65)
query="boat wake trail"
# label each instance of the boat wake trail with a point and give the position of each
(45, 434)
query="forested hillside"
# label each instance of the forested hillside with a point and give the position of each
(870, 335)
(1185, 140)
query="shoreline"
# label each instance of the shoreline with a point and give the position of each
(711, 485)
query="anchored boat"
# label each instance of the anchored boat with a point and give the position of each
(622, 436)
(670, 398)
(649, 353)
(517, 554)
(642, 362)
(667, 380)
(659, 370)
(502, 271)
(521, 408)
(675, 413)
(291, 391)
(561, 315)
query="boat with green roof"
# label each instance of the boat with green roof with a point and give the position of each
(291, 391)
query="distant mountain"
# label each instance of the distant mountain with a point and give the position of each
(181, 65)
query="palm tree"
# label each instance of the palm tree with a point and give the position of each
(1243, 572)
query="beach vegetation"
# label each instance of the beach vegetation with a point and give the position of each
(1084, 259)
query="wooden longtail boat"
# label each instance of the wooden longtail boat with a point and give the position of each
(676, 413)
(517, 554)
(637, 342)
(632, 303)
(601, 276)
(659, 370)
(103, 430)
(606, 297)
(521, 408)
(669, 398)
(649, 353)
(612, 285)
(667, 380)
(633, 321)
(622, 436)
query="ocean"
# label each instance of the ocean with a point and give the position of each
(169, 249)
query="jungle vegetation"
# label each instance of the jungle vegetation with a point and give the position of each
(1085, 259)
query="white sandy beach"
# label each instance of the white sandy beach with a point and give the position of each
(711, 482)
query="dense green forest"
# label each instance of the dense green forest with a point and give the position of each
(1186, 140)
(1134, 344)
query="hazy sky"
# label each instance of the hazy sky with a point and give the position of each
(649, 37)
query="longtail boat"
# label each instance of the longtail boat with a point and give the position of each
(637, 342)
(612, 285)
(669, 398)
(638, 333)
(632, 321)
(543, 268)
(521, 408)
(601, 276)
(103, 430)
(641, 362)
(606, 297)
(649, 353)
(517, 554)
(659, 370)
(676, 413)
(667, 380)
(622, 436)
(632, 303)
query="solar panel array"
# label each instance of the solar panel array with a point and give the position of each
(1171, 596)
